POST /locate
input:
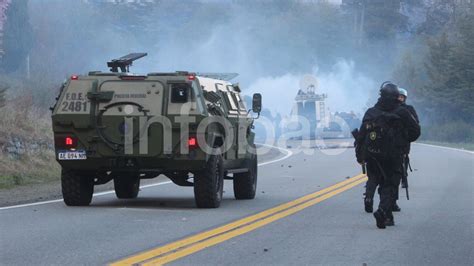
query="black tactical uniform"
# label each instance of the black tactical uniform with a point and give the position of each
(412, 111)
(387, 172)
(406, 150)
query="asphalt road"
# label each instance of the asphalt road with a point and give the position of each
(435, 227)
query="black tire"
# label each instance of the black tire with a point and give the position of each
(209, 184)
(245, 184)
(77, 188)
(126, 187)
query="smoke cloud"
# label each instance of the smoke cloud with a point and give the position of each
(271, 45)
(347, 89)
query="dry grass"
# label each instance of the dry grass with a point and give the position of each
(19, 118)
(21, 121)
(29, 169)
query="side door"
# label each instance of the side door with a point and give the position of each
(239, 120)
(243, 126)
(232, 118)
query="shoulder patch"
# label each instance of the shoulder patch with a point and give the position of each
(373, 135)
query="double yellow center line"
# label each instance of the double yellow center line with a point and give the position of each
(195, 243)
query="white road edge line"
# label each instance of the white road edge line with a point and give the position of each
(446, 148)
(59, 200)
(288, 154)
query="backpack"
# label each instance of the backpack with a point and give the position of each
(380, 140)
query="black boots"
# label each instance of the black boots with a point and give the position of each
(389, 219)
(380, 218)
(396, 208)
(369, 204)
(383, 219)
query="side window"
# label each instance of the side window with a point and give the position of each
(241, 103)
(196, 95)
(182, 99)
(179, 93)
(233, 105)
(230, 97)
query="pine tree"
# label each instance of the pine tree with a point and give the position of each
(439, 70)
(407, 73)
(17, 36)
(463, 68)
(450, 69)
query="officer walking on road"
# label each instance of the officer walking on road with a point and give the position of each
(386, 129)
(406, 159)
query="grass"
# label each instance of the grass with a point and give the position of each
(454, 134)
(457, 145)
(28, 170)
(22, 122)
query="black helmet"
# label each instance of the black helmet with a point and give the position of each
(388, 90)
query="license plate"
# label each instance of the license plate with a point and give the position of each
(72, 155)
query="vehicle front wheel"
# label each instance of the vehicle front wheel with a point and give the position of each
(77, 188)
(245, 184)
(209, 184)
(126, 187)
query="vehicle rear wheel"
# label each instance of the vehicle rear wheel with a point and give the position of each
(77, 188)
(126, 187)
(209, 184)
(245, 184)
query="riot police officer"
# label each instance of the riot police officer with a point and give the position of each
(386, 128)
(406, 159)
(403, 99)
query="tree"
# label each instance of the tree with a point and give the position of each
(18, 36)
(409, 74)
(438, 64)
(462, 80)
(450, 68)
(376, 19)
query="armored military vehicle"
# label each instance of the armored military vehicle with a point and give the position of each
(193, 128)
